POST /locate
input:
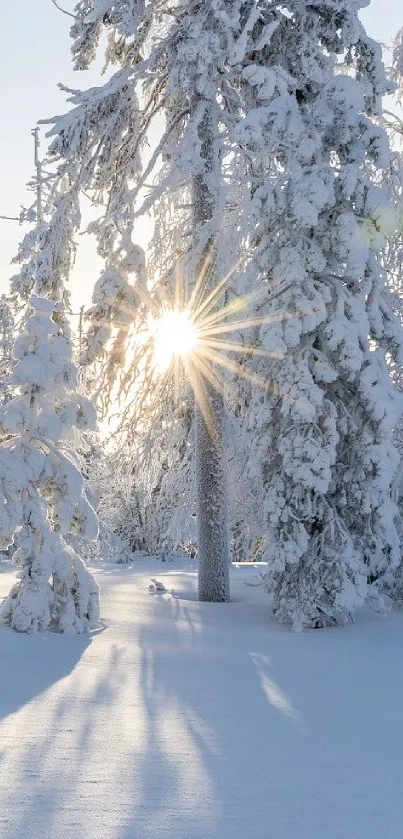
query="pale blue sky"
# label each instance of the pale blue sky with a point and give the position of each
(34, 57)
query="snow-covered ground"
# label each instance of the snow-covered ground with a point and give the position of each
(181, 720)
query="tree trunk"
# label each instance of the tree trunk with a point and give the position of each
(211, 489)
(211, 504)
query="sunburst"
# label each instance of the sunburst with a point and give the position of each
(199, 336)
(175, 336)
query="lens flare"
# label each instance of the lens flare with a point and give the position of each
(174, 335)
(197, 336)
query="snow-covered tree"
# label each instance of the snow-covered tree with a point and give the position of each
(158, 50)
(97, 147)
(43, 491)
(391, 180)
(6, 346)
(313, 87)
(98, 465)
(392, 257)
(47, 251)
(284, 99)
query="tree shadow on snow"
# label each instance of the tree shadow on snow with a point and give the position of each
(199, 721)
(239, 740)
(31, 664)
(214, 711)
(61, 757)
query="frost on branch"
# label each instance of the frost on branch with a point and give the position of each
(43, 492)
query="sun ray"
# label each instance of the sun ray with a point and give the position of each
(231, 346)
(249, 323)
(228, 364)
(202, 279)
(210, 301)
(233, 307)
(201, 397)
(208, 371)
(193, 335)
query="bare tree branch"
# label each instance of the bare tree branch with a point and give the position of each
(65, 12)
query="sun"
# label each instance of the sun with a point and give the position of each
(175, 336)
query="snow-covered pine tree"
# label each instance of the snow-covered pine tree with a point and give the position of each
(312, 86)
(43, 491)
(97, 146)
(294, 89)
(391, 179)
(397, 62)
(149, 497)
(178, 58)
(97, 463)
(47, 251)
(6, 346)
(392, 260)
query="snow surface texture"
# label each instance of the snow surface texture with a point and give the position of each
(187, 720)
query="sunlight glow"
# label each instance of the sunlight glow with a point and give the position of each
(175, 336)
(194, 335)
(190, 334)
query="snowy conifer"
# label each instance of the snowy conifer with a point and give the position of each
(392, 260)
(313, 84)
(284, 97)
(43, 491)
(159, 51)
(6, 346)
